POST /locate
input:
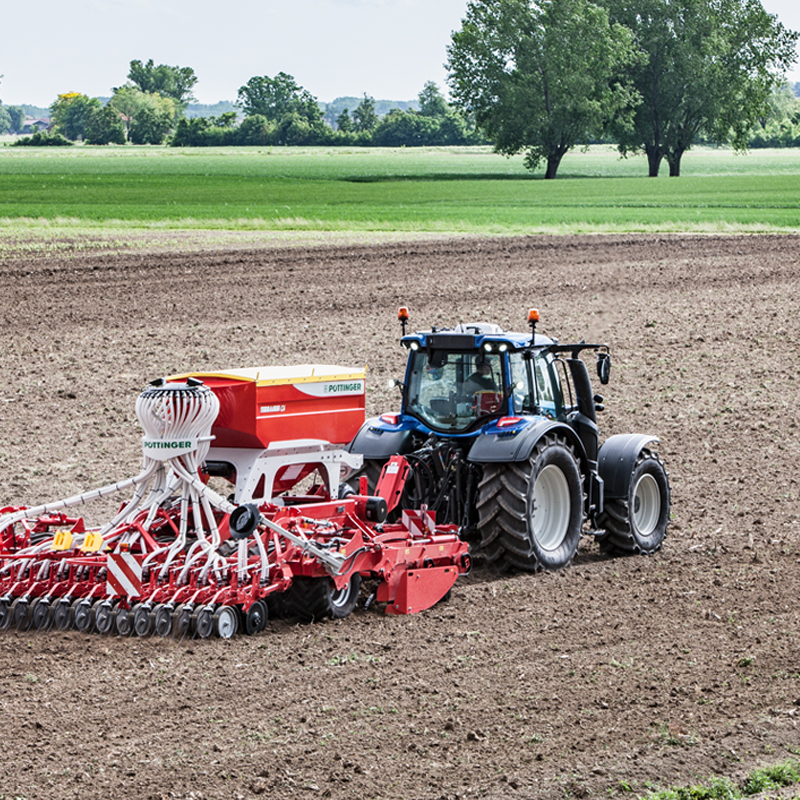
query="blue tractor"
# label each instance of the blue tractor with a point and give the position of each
(500, 432)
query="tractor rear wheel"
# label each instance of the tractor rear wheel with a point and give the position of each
(638, 523)
(313, 599)
(372, 469)
(530, 513)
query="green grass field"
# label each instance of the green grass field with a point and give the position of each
(430, 190)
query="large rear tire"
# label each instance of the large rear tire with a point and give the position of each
(313, 599)
(638, 523)
(530, 513)
(372, 469)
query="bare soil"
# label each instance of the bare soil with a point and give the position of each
(615, 675)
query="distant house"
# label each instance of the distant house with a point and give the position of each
(35, 124)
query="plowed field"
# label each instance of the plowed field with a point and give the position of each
(613, 674)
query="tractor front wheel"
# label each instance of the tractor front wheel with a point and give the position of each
(530, 513)
(638, 523)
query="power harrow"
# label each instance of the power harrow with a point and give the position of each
(180, 559)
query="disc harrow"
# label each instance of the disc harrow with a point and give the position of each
(179, 559)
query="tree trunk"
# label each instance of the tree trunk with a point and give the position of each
(654, 156)
(552, 165)
(674, 161)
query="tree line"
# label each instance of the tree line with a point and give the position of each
(150, 109)
(537, 77)
(277, 111)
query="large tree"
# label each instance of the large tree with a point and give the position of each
(173, 82)
(275, 98)
(432, 102)
(540, 75)
(104, 126)
(71, 113)
(711, 68)
(365, 117)
(17, 116)
(147, 116)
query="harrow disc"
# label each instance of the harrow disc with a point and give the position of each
(4, 613)
(203, 621)
(143, 620)
(123, 620)
(62, 615)
(21, 613)
(226, 622)
(84, 616)
(43, 615)
(182, 621)
(162, 619)
(104, 617)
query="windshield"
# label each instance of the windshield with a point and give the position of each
(449, 391)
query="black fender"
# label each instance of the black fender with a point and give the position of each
(494, 448)
(616, 460)
(375, 441)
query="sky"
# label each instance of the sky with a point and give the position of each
(385, 48)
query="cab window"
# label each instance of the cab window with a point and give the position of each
(547, 389)
(450, 391)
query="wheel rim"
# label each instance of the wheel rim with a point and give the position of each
(646, 504)
(225, 622)
(551, 507)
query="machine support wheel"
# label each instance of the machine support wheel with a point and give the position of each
(255, 618)
(43, 615)
(143, 621)
(162, 619)
(62, 615)
(313, 599)
(83, 616)
(123, 620)
(638, 523)
(203, 621)
(530, 513)
(182, 621)
(21, 613)
(226, 622)
(104, 617)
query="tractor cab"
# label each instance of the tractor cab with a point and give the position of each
(457, 380)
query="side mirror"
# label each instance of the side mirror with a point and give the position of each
(603, 367)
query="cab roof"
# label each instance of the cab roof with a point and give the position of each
(473, 336)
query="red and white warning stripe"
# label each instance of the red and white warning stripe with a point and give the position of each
(124, 575)
(419, 523)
